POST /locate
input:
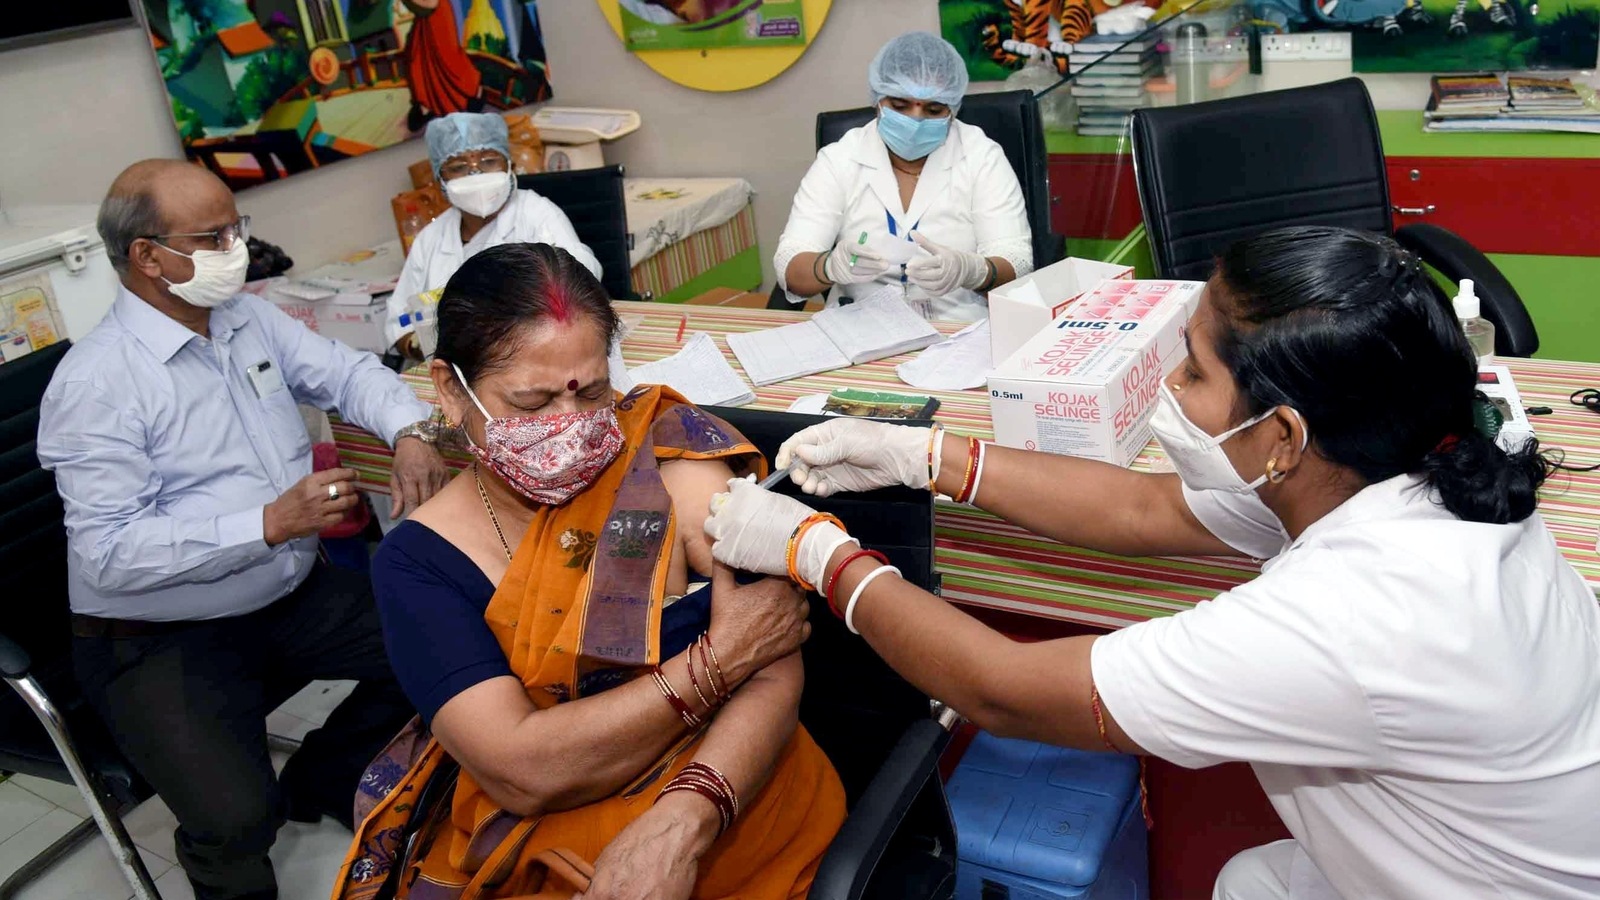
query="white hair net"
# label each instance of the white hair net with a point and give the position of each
(461, 132)
(918, 66)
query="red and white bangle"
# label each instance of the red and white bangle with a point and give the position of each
(710, 784)
(850, 608)
(977, 473)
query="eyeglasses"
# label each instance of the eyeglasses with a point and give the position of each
(491, 163)
(222, 239)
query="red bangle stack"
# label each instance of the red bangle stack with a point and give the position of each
(678, 706)
(710, 784)
(833, 580)
(968, 480)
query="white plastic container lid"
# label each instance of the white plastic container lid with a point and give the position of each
(1466, 302)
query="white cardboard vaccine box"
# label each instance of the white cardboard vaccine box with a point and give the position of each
(1022, 308)
(1087, 384)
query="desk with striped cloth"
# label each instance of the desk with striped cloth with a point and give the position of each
(987, 563)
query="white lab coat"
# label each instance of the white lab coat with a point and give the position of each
(967, 198)
(437, 252)
(1418, 696)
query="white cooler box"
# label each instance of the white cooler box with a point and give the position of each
(1087, 384)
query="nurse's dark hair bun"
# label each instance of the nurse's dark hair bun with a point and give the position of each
(1479, 482)
(1342, 326)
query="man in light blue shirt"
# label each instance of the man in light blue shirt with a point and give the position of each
(192, 516)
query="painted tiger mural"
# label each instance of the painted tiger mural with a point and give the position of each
(1042, 26)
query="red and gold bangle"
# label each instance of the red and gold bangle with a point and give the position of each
(682, 708)
(792, 550)
(1100, 725)
(703, 789)
(725, 691)
(710, 784)
(695, 682)
(833, 580)
(720, 694)
(972, 470)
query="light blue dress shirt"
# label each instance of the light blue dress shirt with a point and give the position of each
(165, 453)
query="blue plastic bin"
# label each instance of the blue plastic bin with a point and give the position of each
(1035, 822)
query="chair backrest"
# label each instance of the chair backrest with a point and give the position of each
(595, 203)
(33, 540)
(1212, 173)
(1010, 119)
(854, 705)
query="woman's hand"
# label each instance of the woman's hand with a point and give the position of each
(849, 263)
(658, 855)
(751, 527)
(856, 455)
(755, 625)
(945, 268)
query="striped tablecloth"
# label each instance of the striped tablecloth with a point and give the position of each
(986, 562)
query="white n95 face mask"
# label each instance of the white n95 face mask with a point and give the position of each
(218, 275)
(480, 195)
(1198, 457)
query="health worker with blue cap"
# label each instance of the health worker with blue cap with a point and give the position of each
(471, 156)
(915, 204)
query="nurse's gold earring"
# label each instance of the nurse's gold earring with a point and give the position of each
(1273, 475)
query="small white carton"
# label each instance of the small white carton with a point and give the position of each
(1087, 384)
(1024, 307)
(1496, 384)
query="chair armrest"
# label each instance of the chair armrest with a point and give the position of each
(14, 661)
(1455, 259)
(861, 841)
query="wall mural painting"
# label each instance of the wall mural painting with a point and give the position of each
(263, 89)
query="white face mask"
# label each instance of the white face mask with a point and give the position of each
(218, 275)
(480, 195)
(1198, 457)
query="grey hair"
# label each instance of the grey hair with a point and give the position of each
(125, 218)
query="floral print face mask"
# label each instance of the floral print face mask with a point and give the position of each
(548, 459)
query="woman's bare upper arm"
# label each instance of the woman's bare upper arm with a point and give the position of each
(691, 482)
(475, 726)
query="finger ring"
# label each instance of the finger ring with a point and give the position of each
(333, 492)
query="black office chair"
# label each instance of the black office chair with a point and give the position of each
(46, 728)
(878, 730)
(1010, 119)
(595, 203)
(1212, 173)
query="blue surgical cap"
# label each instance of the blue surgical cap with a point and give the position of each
(918, 66)
(461, 132)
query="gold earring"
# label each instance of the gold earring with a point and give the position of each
(1273, 475)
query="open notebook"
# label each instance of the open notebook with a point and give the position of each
(832, 339)
(699, 371)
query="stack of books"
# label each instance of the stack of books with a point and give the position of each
(1524, 103)
(1108, 93)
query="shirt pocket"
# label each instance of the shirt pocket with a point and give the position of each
(287, 426)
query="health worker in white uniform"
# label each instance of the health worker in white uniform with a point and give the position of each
(1414, 676)
(471, 156)
(915, 177)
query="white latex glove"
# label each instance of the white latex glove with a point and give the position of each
(750, 526)
(945, 269)
(848, 454)
(841, 270)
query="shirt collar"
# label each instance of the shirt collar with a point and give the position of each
(163, 335)
(1400, 497)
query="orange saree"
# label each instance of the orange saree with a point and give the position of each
(579, 611)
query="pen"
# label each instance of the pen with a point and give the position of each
(773, 480)
(682, 322)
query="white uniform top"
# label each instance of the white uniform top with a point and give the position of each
(1418, 695)
(437, 253)
(967, 198)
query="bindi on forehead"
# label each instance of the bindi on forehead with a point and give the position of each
(572, 384)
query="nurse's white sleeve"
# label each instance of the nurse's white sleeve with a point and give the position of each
(1260, 674)
(815, 218)
(411, 283)
(1241, 521)
(999, 214)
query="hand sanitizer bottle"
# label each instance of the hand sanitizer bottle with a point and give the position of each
(1479, 331)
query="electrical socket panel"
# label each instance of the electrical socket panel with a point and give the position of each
(1314, 46)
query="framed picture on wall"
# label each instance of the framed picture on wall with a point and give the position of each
(265, 89)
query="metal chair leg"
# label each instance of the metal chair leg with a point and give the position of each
(109, 822)
(47, 857)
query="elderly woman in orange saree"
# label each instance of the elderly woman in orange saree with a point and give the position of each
(557, 618)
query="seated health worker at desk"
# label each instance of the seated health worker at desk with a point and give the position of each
(915, 174)
(1415, 675)
(471, 156)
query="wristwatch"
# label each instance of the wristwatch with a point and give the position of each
(426, 431)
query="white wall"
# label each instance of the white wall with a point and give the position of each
(77, 112)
